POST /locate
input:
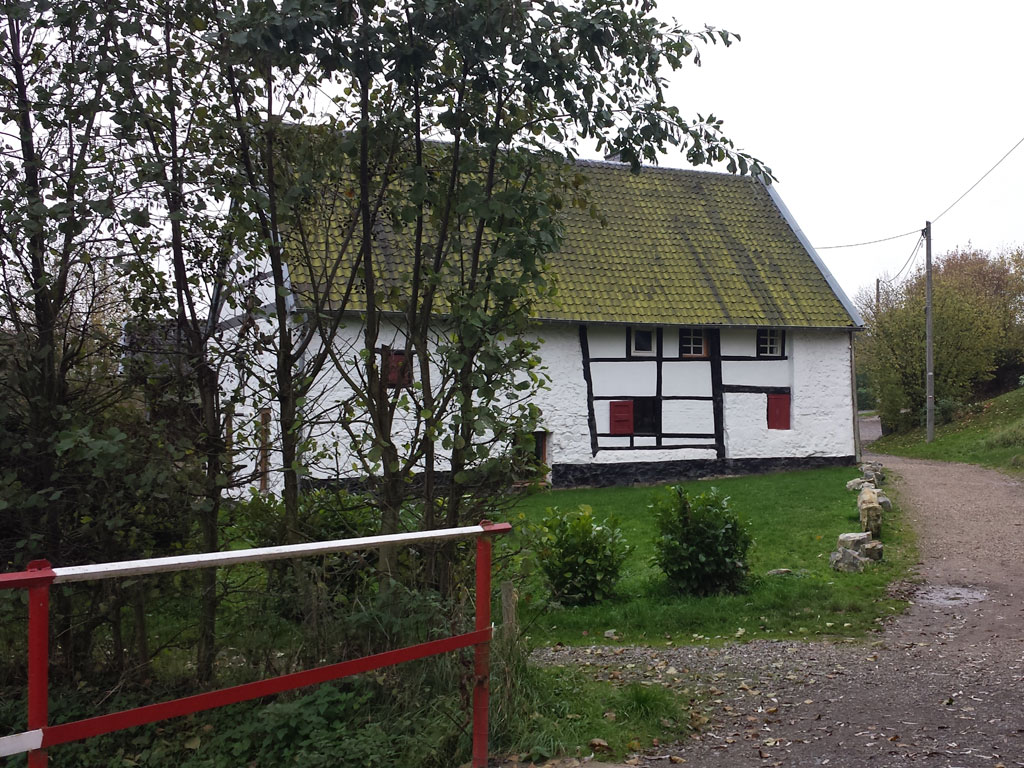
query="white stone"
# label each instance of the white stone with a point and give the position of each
(847, 561)
(854, 541)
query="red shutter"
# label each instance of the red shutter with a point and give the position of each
(778, 411)
(396, 371)
(620, 417)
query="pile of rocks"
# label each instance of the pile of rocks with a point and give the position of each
(855, 550)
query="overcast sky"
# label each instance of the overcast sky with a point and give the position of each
(874, 116)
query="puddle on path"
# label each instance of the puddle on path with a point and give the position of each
(949, 595)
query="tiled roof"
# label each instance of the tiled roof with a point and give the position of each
(670, 247)
(686, 247)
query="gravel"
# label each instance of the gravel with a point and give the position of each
(940, 686)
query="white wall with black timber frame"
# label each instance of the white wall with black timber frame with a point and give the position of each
(707, 393)
(653, 389)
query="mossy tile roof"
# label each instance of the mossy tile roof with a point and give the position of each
(683, 247)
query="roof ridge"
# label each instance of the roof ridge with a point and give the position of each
(618, 165)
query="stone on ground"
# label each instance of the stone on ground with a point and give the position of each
(847, 561)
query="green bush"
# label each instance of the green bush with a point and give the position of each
(702, 545)
(946, 410)
(581, 559)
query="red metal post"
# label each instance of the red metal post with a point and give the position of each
(38, 657)
(482, 652)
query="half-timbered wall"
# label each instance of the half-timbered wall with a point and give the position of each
(748, 396)
(709, 409)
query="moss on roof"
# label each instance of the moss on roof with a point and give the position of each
(669, 247)
(686, 247)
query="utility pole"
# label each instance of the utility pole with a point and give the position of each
(928, 341)
(878, 294)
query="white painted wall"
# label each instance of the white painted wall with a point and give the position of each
(564, 404)
(675, 454)
(688, 416)
(758, 373)
(635, 378)
(686, 377)
(821, 404)
(817, 371)
(739, 341)
(605, 340)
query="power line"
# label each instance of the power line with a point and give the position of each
(869, 242)
(913, 253)
(965, 194)
(934, 219)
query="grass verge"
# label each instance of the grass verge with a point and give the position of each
(794, 517)
(563, 709)
(990, 434)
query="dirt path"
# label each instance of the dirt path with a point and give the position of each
(941, 687)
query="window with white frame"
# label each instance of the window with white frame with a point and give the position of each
(643, 341)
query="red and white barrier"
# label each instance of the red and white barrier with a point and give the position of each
(39, 577)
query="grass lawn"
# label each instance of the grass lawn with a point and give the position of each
(991, 434)
(794, 517)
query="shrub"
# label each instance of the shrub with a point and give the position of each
(946, 410)
(702, 545)
(866, 400)
(581, 559)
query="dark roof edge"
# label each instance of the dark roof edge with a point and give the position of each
(538, 319)
(832, 282)
(645, 168)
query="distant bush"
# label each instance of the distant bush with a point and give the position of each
(946, 410)
(866, 400)
(702, 545)
(581, 558)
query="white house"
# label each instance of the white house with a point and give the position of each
(699, 333)
(696, 332)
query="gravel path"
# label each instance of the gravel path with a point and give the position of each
(940, 687)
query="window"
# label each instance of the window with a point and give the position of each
(641, 416)
(643, 341)
(692, 342)
(771, 342)
(778, 411)
(396, 370)
(646, 416)
(540, 447)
